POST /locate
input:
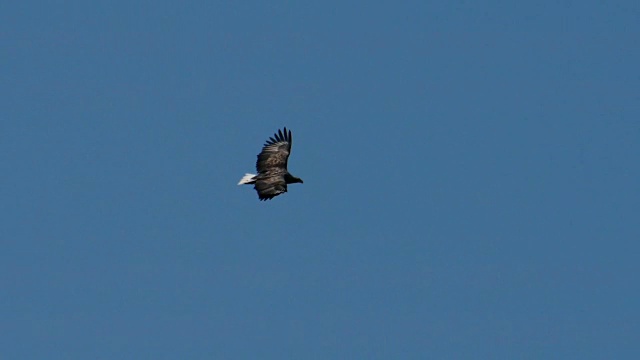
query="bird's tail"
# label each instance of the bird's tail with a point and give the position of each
(247, 179)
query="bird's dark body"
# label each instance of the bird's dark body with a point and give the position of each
(273, 176)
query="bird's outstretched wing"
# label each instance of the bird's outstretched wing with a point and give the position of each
(271, 186)
(275, 153)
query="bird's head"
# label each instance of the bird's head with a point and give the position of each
(290, 179)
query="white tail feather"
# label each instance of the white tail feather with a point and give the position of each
(246, 179)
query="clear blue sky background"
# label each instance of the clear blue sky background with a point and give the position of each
(471, 180)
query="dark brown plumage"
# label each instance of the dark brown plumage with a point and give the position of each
(273, 176)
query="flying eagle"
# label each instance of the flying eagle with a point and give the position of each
(273, 177)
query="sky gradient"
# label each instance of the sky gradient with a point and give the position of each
(471, 180)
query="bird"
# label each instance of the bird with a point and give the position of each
(273, 177)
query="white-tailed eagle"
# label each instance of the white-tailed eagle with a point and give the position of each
(272, 177)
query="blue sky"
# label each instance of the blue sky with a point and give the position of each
(471, 180)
